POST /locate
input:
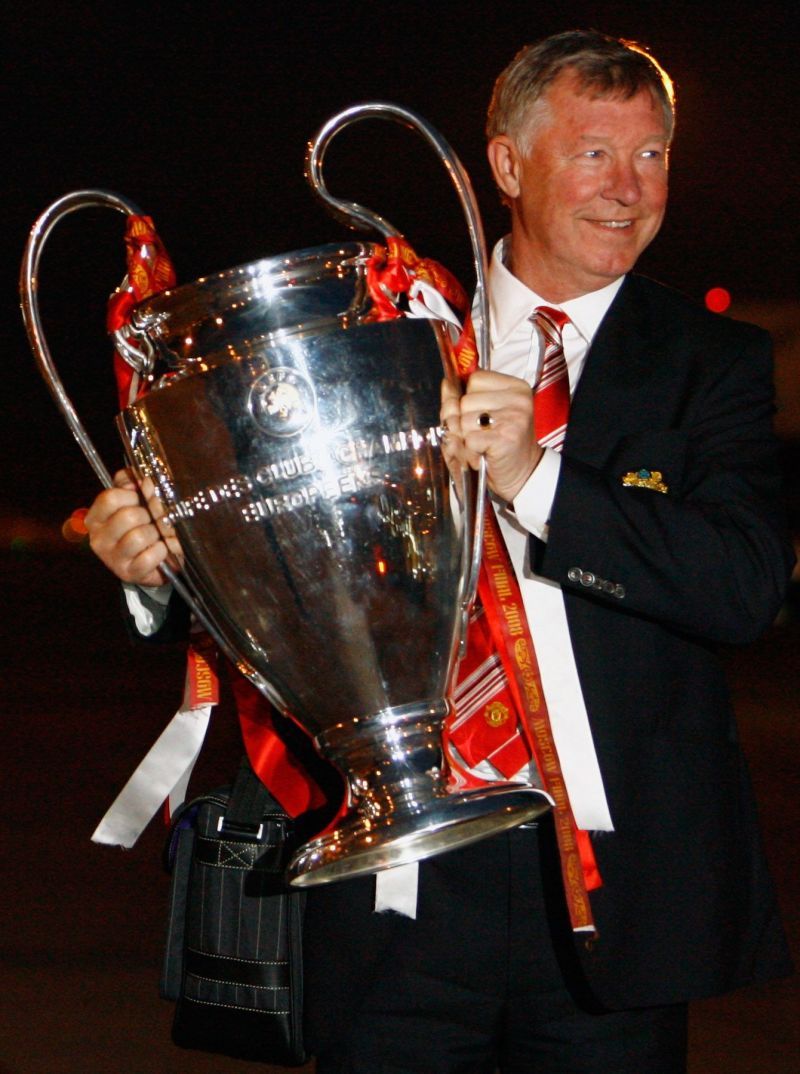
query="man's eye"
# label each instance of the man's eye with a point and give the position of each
(593, 154)
(652, 154)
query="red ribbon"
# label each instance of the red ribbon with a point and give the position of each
(502, 602)
(501, 598)
(272, 760)
(150, 271)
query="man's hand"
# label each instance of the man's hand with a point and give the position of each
(494, 419)
(124, 536)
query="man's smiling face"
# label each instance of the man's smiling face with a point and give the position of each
(589, 195)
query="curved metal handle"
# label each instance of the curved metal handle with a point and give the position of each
(355, 215)
(29, 288)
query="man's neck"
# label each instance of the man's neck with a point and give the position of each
(549, 286)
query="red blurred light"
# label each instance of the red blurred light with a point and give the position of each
(718, 299)
(380, 566)
(76, 519)
(74, 528)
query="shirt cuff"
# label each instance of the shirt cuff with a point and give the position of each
(533, 503)
(148, 606)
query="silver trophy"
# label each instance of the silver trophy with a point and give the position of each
(295, 447)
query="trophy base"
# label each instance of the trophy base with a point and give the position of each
(361, 846)
(401, 810)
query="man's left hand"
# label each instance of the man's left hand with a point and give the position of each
(494, 419)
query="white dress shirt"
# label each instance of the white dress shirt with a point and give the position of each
(517, 349)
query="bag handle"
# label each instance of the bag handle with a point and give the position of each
(249, 802)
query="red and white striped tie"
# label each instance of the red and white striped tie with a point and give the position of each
(551, 394)
(485, 725)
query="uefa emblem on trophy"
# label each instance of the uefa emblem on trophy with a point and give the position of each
(292, 434)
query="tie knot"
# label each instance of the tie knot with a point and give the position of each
(550, 322)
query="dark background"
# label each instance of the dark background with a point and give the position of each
(199, 112)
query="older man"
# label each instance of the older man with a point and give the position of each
(639, 510)
(651, 536)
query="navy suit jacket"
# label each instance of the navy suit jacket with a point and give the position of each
(653, 583)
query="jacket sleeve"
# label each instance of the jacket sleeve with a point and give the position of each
(708, 556)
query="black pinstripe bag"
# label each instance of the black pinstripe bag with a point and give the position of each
(233, 959)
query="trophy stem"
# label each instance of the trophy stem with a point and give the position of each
(402, 811)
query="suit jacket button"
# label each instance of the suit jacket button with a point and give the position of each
(574, 574)
(619, 591)
(587, 578)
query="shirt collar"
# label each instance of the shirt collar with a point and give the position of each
(511, 303)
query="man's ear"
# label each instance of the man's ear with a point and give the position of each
(504, 161)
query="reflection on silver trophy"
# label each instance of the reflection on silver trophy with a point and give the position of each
(294, 442)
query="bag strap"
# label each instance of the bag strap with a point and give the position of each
(249, 802)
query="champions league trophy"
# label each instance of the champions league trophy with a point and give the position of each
(294, 444)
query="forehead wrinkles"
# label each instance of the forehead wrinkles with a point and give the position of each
(540, 115)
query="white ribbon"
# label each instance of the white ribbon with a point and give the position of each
(425, 301)
(162, 774)
(396, 889)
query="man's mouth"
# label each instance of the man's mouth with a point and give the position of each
(613, 225)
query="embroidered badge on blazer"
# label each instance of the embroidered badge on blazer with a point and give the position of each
(645, 479)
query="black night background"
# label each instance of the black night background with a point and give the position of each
(200, 113)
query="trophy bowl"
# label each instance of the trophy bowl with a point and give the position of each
(297, 452)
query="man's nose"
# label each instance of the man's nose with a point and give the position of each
(622, 183)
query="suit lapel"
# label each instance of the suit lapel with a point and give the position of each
(619, 379)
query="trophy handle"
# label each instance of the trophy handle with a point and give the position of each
(29, 286)
(357, 216)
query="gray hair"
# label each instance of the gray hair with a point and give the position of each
(608, 65)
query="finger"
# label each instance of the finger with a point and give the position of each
(117, 546)
(165, 529)
(124, 479)
(489, 380)
(476, 445)
(449, 391)
(135, 540)
(116, 512)
(512, 397)
(144, 569)
(156, 507)
(147, 488)
(484, 385)
(108, 503)
(450, 412)
(135, 556)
